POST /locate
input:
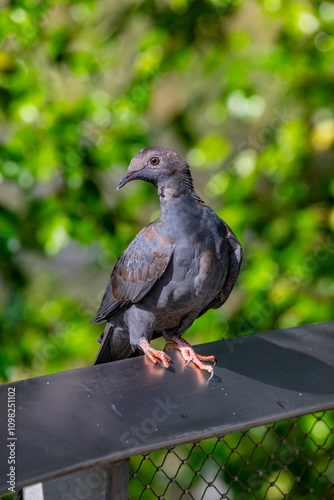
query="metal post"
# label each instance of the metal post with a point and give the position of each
(120, 480)
(107, 481)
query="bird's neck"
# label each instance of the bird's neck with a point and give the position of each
(176, 193)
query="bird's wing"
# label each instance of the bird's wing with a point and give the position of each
(136, 271)
(109, 306)
(235, 259)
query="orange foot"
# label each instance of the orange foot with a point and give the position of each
(189, 355)
(155, 355)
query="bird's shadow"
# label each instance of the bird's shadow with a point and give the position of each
(216, 379)
(171, 368)
(263, 360)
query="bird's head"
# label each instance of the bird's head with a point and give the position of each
(159, 166)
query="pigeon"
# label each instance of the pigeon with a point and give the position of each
(176, 268)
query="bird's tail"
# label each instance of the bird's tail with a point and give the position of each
(104, 353)
(115, 345)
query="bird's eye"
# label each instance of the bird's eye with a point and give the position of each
(154, 160)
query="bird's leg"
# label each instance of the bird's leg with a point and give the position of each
(154, 354)
(189, 354)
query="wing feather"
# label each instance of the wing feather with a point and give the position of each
(235, 259)
(136, 271)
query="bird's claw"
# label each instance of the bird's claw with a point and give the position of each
(212, 374)
(189, 355)
(154, 355)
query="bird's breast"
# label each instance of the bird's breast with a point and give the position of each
(206, 269)
(195, 275)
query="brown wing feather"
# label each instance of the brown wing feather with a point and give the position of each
(143, 262)
(138, 268)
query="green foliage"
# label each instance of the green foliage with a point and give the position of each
(242, 89)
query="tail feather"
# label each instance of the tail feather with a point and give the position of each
(115, 345)
(104, 353)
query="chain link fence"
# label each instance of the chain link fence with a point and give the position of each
(292, 459)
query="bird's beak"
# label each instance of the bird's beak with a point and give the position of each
(129, 177)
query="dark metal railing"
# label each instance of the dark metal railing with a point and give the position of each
(262, 428)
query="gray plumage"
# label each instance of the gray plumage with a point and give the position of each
(177, 268)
